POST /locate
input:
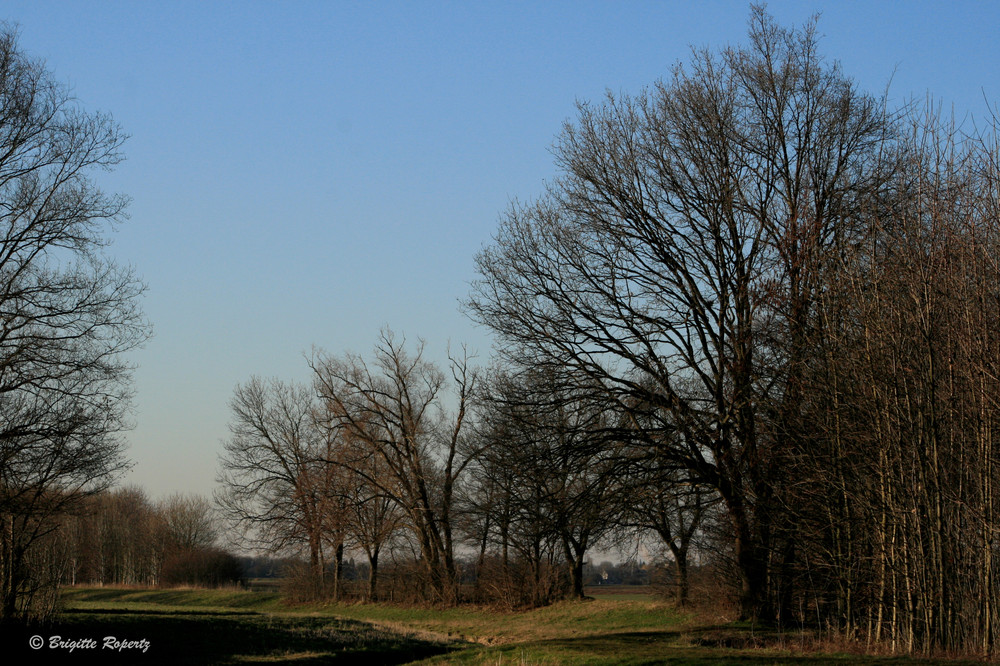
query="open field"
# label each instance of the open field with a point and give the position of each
(242, 627)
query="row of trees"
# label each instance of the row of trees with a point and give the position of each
(788, 293)
(350, 461)
(757, 303)
(121, 538)
(393, 457)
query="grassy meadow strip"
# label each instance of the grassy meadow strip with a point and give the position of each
(208, 627)
(237, 627)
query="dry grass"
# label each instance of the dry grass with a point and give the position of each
(615, 627)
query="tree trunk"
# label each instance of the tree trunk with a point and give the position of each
(683, 584)
(8, 586)
(373, 574)
(574, 557)
(316, 567)
(338, 570)
(753, 578)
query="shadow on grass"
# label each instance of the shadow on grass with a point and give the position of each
(702, 647)
(126, 611)
(169, 597)
(211, 638)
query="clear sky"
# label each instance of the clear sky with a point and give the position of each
(303, 173)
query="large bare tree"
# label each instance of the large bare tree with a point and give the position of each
(675, 261)
(276, 481)
(67, 312)
(396, 408)
(189, 521)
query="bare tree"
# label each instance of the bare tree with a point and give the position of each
(276, 481)
(660, 499)
(559, 468)
(67, 312)
(375, 515)
(673, 262)
(189, 521)
(395, 407)
(502, 510)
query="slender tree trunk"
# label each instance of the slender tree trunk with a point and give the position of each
(8, 571)
(316, 566)
(338, 569)
(373, 574)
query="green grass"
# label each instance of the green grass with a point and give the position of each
(239, 627)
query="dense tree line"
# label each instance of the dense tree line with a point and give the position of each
(120, 537)
(789, 293)
(492, 487)
(755, 315)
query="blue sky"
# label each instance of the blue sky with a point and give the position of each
(303, 173)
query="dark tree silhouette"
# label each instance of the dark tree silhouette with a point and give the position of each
(67, 313)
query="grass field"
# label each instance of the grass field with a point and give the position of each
(618, 626)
